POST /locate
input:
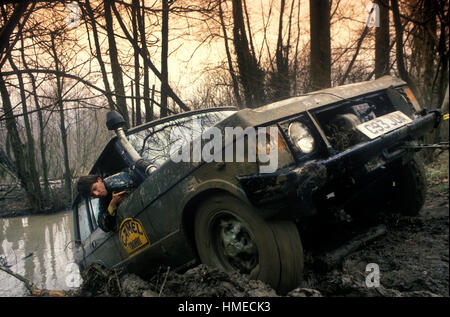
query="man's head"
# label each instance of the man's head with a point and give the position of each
(91, 185)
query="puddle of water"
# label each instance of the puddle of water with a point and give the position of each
(40, 248)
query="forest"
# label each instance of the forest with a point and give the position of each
(64, 64)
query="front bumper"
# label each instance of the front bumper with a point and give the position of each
(303, 181)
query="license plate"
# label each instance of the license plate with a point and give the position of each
(381, 125)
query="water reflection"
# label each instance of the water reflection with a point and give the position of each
(39, 248)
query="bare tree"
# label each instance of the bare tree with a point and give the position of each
(143, 41)
(229, 58)
(59, 88)
(280, 79)
(41, 124)
(90, 18)
(20, 160)
(382, 49)
(250, 73)
(115, 64)
(164, 57)
(320, 60)
(399, 47)
(9, 24)
(33, 176)
(134, 18)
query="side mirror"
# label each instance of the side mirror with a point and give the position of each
(114, 120)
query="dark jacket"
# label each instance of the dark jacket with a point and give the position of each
(123, 181)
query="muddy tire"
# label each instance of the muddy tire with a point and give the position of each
(230, 235)
(410, 188)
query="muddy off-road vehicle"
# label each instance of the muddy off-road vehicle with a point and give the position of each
(338, 149)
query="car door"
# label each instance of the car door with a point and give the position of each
(96, 244)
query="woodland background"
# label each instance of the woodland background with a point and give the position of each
(64, 64)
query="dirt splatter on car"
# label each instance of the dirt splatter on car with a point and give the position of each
(256, 190)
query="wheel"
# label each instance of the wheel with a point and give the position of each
(229, 234)
(410, 187)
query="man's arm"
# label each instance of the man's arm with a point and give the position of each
(115, 201)
(106, 222)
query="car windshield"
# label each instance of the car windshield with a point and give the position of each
(155, 142)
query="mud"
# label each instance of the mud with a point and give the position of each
(412, 258)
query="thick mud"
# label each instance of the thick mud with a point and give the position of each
(411, 258)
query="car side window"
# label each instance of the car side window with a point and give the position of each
(83, 221)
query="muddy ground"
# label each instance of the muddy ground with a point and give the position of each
(412, 257)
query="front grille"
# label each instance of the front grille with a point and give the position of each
(339, 120)
(341, 136)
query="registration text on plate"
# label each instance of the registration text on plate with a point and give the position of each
(381, 125)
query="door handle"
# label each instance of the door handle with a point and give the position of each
(93, 244)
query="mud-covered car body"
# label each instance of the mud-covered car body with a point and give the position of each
(157, 223)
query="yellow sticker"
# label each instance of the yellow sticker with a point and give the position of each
(445, 116)
(132, 235)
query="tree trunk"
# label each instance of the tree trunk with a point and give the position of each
(152, 99)
(430, 33)
(67, 172)
(115, 65)
(229, 60)
(42, 148)
(250, 74)
(10, 25)
(164, 57)
(17, 146)
(30, 156)
(443, 76)
(98, 52)
(399, 48)
(133, 117)
(382, 48)
(143, 40)
(320, 44)
(138, 113)
(352, 62)
(280, 78)
(296, 50)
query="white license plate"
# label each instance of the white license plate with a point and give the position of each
(381, 125)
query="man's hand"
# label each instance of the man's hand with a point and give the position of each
(115, 201)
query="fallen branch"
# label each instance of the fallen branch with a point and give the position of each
(32, 289)
(164, 282)
(332, 259)
(28, 284)
(14, 186)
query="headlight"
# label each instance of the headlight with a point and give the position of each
(301, 137)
